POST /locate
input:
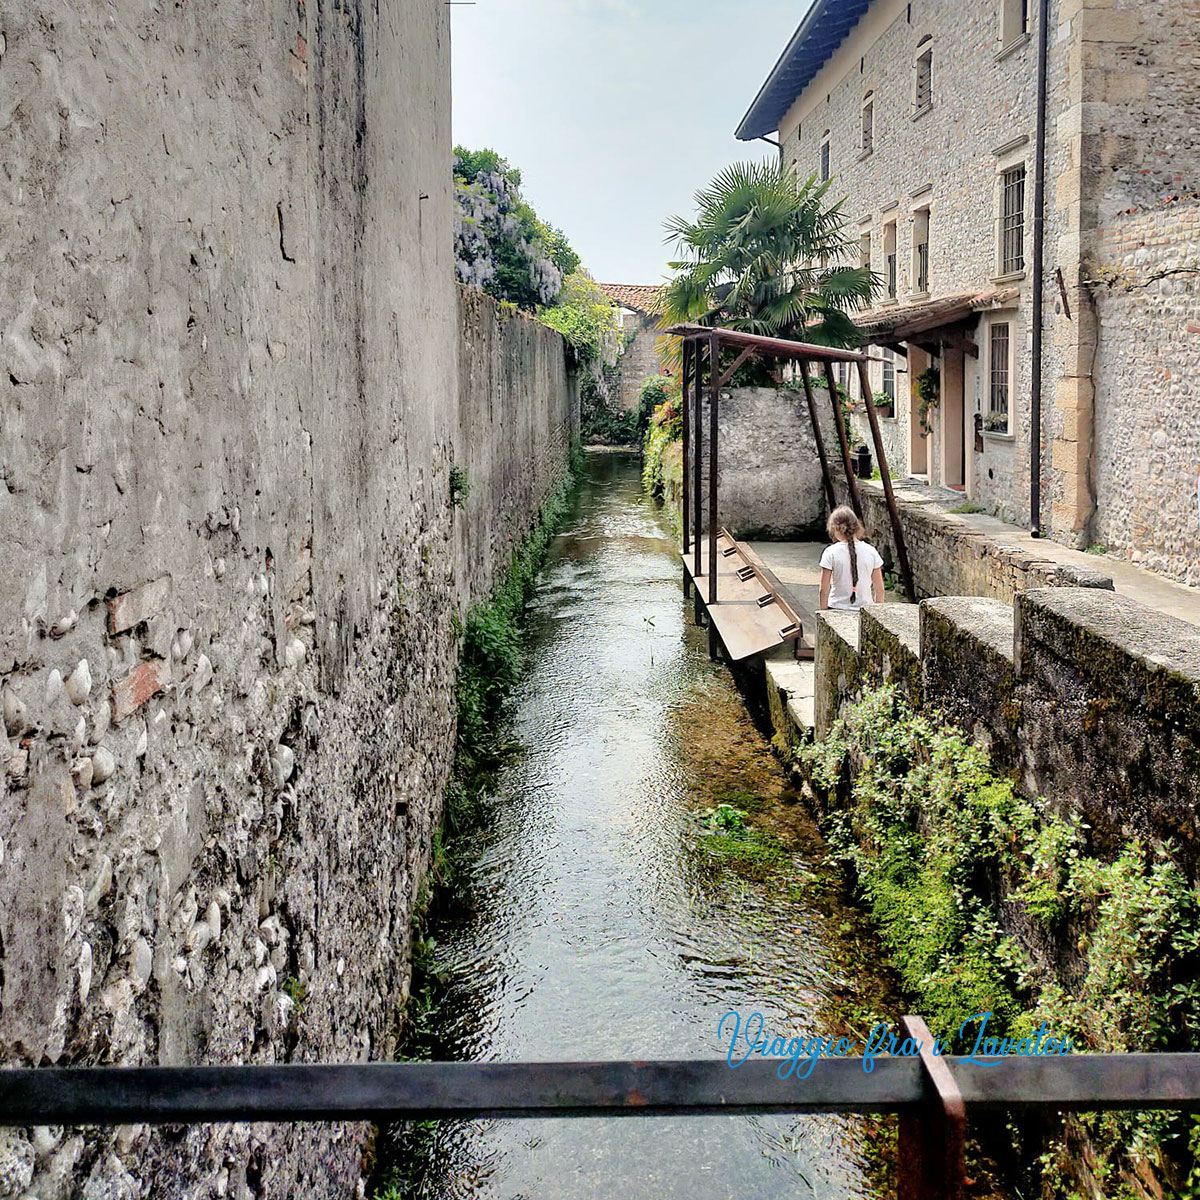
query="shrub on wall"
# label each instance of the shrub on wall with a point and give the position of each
(663, 429)
(950, 859)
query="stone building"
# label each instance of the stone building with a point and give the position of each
(925, 116)
(640, 358)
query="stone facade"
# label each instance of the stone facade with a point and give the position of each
(640, 359)
(1116, 68)
(231, 337)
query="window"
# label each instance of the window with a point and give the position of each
(921, 251)
(1012, 220)
(999, 366)
(923, 95)
(825, 157)
(1014, 20)
(889, 380)
(868, 123)
(889, 259)
(841, 375)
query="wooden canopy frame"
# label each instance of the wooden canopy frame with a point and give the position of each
(696, 339)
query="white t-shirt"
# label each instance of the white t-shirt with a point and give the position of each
(837, 559)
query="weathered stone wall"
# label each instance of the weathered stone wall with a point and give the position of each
(1146, 286)
(950, 559)
(769, 476)
(229, 327)
(1089, 698)
(640, 359)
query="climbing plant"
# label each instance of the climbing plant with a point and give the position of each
(929, 389)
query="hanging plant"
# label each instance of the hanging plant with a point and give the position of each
(929, 389)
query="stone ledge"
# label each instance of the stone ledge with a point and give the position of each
(889, 639)
(836, 666)
(1110, 645)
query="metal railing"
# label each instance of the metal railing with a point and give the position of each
(931, 1094)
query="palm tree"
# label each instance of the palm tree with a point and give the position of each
(762, 256)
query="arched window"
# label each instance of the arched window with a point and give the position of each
(923, 80)
(868, 123)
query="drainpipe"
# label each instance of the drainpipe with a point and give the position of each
(1039, 203)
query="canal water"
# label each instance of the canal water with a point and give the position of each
(596, 921)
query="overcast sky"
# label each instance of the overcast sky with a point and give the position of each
(616, 111)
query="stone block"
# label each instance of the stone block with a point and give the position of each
(144, 681)
(138, 604)
(1110, 698)
(967, 665)
(889, 641)
(837, 667)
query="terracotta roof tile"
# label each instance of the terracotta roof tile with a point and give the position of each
(636, 296)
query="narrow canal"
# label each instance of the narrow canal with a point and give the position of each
(598, 918)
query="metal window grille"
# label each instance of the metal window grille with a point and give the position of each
(890, 262)
(999, 367)
(868, 127)
(824, 161)
(923, 265)
(1012, 220)
(924, 81)
(889, 377)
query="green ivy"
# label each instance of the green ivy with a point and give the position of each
(941, 845)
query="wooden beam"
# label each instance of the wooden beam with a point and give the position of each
(886, 476)
(713, 401)
(737, 362)
(826, 477)
(840, 422)
(687, 366)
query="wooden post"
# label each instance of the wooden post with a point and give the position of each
(826, 477)
(697, 457)
(886, 476)
(840, 422)
(931, 1162)
(714, 360)
(687, 363)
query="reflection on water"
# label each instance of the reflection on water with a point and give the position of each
(594, 928)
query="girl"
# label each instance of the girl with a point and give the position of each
(849, 563)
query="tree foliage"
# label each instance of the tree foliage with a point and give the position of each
(500, 244)
(764, 255)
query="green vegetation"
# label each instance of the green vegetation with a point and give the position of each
(740, 258)
(929, 389)
(491, 659)
(967, 506)
(941, 845)
(664, 427)
(1098, 548)
(460, 486)
(726, 838)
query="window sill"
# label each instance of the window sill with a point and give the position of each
(928, 108)
(994, 435)
(888, 302)
(1011, 277)
(1012, 46)
(864, 154)
(918, 295)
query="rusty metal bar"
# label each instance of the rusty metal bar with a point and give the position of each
(737, 362)
(840, 422)
(399, 1091)
(885, 475)
(932, 1165)
(687, 364)
(698, 454)
(826, 477)
(714, 366)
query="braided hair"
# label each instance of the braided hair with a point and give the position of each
(844, 526)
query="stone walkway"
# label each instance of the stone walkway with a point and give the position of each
(1154, 591)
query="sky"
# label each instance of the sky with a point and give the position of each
(616, 111)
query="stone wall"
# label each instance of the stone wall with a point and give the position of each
(769, 476)
(950, 559)
(232, 561)
(1089, 698)
(1146, 285)
(640, 359)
